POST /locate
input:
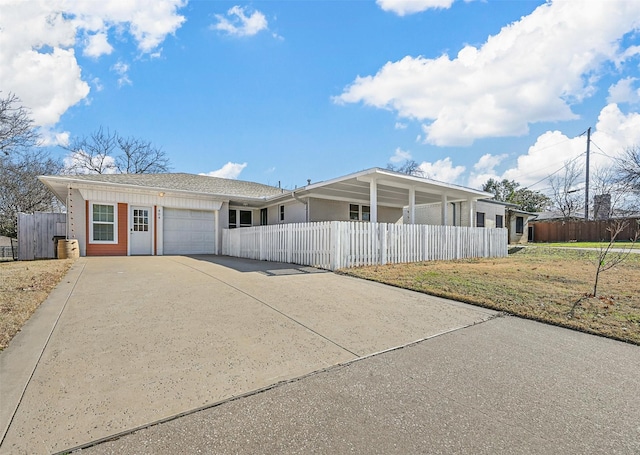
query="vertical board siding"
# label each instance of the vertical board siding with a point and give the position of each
(338, 244)
(581, 231)
(36, 232)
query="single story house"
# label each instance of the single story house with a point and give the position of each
(176, 213)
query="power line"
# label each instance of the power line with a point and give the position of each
(603, 152)
(553, 173)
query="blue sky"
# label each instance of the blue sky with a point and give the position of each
(285, 91)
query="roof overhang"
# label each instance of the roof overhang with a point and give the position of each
(61, 184)
(393, 189)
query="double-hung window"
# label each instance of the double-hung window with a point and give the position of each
(366, 213)
(479, 219)
(359, 212)
(499, 221)
(232, 218)
(354, 212)
(519, 225)
(240, 218)
(103, 223)
(245, 218)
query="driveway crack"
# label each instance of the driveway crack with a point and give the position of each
(262, 302)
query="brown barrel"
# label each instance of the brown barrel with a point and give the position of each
(68, 249)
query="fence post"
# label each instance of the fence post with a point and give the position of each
(382, 232)
(333, 245)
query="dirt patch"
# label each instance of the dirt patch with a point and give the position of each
(545, 284)
(24, 286)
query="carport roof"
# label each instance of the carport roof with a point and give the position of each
(393, 189)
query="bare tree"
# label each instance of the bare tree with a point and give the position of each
(628, 167)
(612, 195)
(17, 131)
(566, 197)
(140, 157)
(20, 189)
(609, 256)
(628, 173)
(409, 167)
(92, 154)
(104, 152)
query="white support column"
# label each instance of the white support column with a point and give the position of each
(412, 206)
(159, 230)
(472, 221)
(216, 226)
(445, 211)
(373, 200)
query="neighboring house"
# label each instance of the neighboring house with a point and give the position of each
(558, 216)
(130, 214)
(520, 230)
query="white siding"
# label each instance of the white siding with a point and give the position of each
(294, 212)
(76, 219)
(328, 210)
(149, 199)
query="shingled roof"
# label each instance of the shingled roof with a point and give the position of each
(186, 182)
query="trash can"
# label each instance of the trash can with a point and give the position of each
(68, 249)
(56, 239)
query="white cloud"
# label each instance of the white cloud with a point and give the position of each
(228, 171)
(39, 40)
(532, 71)
(400, 126)
(488, 162)
(624, 92)
(403, 7)
(400, 156)
(239, 23)
(97, 84)
(49, 138)
(442, 170)
(97, 45)
(612, 134)
(122, 69)
(484, 169)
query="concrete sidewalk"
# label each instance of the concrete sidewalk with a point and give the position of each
(507, 386)
(124, 342)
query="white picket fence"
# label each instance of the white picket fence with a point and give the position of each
(337, 244)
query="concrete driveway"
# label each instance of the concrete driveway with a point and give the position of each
(125, 342)
(507, 386)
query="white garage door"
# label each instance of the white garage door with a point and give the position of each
(188, 232)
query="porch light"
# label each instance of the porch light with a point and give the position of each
(161, 194)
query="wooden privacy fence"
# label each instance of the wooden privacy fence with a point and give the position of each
(581, 231)
(336, 244)
(37, 233)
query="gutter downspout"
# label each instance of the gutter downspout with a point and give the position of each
(306, 205)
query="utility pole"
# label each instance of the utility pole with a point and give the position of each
(586, 185)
